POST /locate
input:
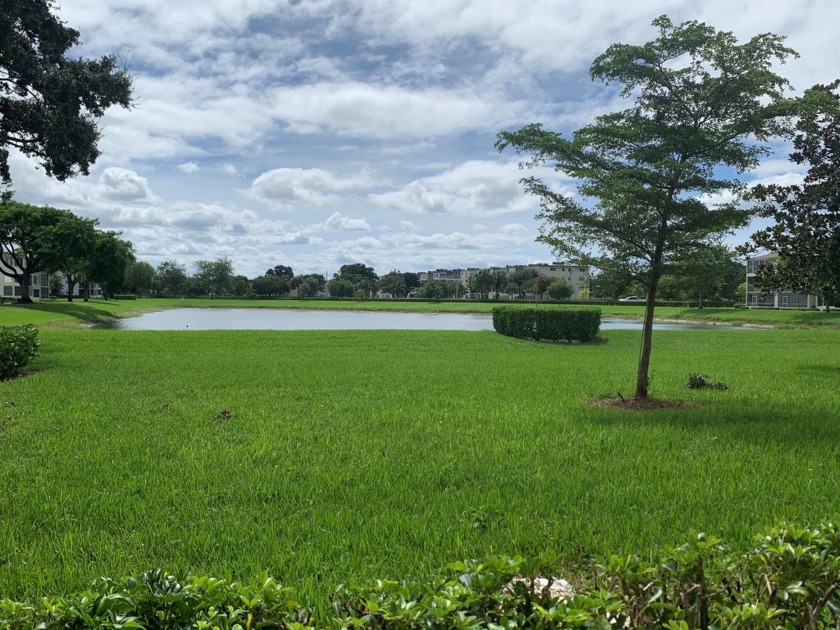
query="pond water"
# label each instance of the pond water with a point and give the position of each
(299, 319)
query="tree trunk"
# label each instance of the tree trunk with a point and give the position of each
(647, 333)
(87, 292)
(71, 286)
(25, 282)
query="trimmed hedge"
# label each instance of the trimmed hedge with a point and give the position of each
(18, 346)
(547, 324)
(790, 579)
(125, 296)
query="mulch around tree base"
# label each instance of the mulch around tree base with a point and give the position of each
(642, 404)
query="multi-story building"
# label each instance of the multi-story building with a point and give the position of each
(758, 298)
(577, 276)
(10, 289)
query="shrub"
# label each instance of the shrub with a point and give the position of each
(158, 600)
(788, 580)
(547, 324)
(18, 346)
(701, 381)
(125, 296)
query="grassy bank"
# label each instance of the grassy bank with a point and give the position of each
(328, 457)
(64, 314)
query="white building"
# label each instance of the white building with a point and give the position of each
(757, 298)
(10, 289)
(576, 275)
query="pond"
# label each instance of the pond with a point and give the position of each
(299, 319)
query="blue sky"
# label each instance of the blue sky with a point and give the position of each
(315, 133)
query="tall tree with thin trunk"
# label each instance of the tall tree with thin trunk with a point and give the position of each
(700, 101)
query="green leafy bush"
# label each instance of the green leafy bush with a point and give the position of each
(18, 346)
(125, 296)
(790, 580)
(547, 324)
(159, 600)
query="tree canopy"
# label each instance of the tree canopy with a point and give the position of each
(362, 277)
(49, 102)
(271, 285)
(282, 271)
(36, 239)
(701, 101)
(170, 277)
(806, 229)
(215, 277)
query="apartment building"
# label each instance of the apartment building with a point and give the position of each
(577, 276)
(10, 289)
(756, 298)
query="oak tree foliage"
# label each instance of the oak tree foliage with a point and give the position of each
(805, 232)
(50, 99)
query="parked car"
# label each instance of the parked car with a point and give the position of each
(630, 298)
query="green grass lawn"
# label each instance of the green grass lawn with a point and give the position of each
(335, 457)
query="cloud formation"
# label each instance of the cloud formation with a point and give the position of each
(322, 132)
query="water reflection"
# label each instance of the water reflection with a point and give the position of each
(298, 319)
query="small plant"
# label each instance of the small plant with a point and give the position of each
(18, 346)
(701, 381)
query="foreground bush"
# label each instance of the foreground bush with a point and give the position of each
(159, 600)
(18, 346)
(547, 324)
(789, 580)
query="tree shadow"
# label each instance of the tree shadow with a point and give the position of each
(798, 424)
(82, 312)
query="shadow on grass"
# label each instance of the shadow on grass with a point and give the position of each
(810, 425)
(82, 312)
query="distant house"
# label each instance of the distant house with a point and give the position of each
(757, 298)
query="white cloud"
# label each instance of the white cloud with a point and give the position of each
(477, 188)
(124, 185)
(189, 167)
(287, 186)
(385, 111)
(339, 222)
